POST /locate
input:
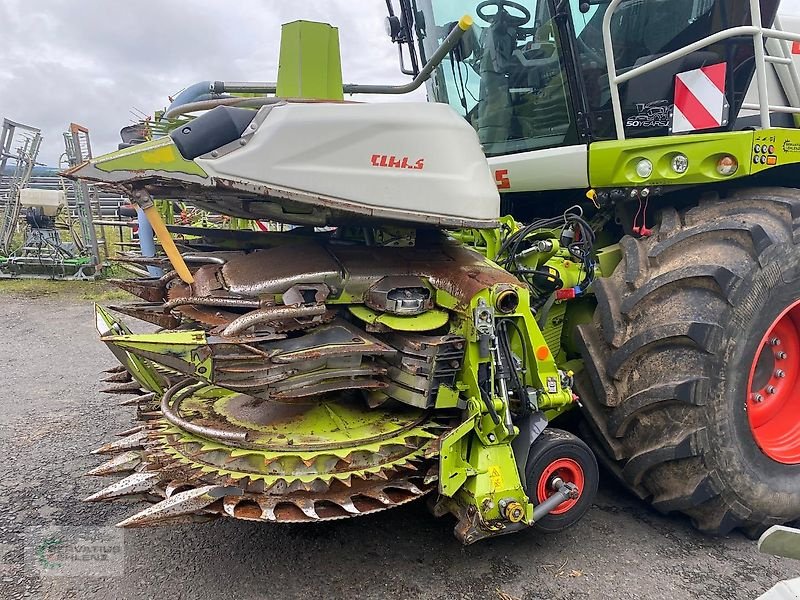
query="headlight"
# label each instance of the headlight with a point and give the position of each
(644, 168)
(727, 165)
(680, 164)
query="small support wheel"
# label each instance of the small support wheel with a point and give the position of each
(555, 458)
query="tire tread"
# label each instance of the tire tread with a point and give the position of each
(653, 433)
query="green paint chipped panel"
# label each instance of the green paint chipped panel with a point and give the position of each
(185, 351)
(147, 376)
(158, 155)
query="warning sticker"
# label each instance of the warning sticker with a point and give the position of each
(496, 477)
(700, 101)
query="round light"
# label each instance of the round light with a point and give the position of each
(680, 164)
(727, 165)
(644, 168)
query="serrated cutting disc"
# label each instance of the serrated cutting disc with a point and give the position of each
(256, 460)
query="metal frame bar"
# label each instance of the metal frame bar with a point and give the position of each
(781, 53)
(28, 141)
(79, 149)
(757, 31)
(450, 42)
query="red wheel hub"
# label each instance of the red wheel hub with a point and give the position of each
(773, 403)
(568, 471)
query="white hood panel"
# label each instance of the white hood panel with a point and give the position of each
(413, 158)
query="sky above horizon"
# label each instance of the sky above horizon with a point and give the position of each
(97, 63)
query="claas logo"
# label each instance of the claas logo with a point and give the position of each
(395, 162)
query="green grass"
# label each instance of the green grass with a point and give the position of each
(96, 291)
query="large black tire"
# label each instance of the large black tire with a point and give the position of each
(668, 359)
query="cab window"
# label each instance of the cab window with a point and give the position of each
(507, 77)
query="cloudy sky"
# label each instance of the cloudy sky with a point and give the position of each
(93, 61)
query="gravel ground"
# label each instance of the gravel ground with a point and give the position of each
(52, 415)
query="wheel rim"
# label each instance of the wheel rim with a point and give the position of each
(773, 404)
(568, 471)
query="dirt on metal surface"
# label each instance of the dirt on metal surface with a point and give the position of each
(52, 415)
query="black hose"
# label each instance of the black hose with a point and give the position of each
(507, 357)
(483, 379)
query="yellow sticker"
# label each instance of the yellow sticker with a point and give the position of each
(496, 477)
(164, 154)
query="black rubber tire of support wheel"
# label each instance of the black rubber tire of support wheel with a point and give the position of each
(668, 355)
(553, 445)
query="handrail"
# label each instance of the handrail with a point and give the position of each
(786, 52)
(756, 31)
(761, 64)
(450, 42)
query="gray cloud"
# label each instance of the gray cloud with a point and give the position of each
(92, 61)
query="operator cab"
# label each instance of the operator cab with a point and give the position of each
(532, 74)
(507, 77)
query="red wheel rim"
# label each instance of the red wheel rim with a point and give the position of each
(568, 471)
(773, 403)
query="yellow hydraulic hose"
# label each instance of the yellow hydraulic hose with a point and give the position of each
(165, 239)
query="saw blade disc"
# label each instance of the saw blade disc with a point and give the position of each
(327, 459)
(236, 436)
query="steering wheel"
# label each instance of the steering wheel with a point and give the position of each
(514, 20)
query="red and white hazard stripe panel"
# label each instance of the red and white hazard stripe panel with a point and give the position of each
(700, 99)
